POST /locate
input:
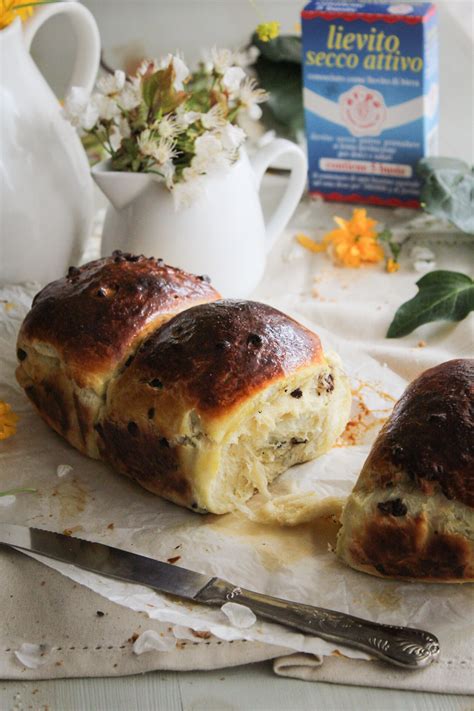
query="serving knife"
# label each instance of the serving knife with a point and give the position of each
(406, 647)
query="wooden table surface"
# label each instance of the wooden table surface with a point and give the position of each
(247, 688)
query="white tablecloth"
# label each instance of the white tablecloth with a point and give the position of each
(356, 305)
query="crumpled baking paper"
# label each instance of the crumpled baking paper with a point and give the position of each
(297, 563)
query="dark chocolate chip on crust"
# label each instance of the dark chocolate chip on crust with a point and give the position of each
(132, 427)
(393, 507)
(254, 339)
(155, 383)
(21, 354)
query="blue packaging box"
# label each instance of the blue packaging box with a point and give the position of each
(370, 73)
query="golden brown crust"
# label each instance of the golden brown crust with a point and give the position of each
(410, 514)
(407, 548)
(176, 399)
(83, 329)
(429, 438)
(92, 315)
(221, 352)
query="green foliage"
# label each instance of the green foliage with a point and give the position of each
(448, 190)
(442, 295)
(278, 70)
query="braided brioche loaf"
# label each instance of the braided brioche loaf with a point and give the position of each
(202, 404)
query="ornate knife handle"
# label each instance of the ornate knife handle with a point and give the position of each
(403, 646)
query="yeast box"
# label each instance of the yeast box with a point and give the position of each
(370, 74)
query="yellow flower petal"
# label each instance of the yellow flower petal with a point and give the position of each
(267, 31)
(310, 244)
(8, 421)
(392, 266)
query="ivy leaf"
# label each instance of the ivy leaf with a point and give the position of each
(285, 48)
(278, 70)
(448, 190)
(442, 295)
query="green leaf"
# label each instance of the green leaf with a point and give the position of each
(448, 190)
(11, 492)
(442, 295)
(285, 48)
(284, 109)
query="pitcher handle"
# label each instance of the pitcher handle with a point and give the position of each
(296, 182)
(84, 25)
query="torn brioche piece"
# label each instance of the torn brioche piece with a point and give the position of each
(83, 330)
(219, 401)
(411, 512)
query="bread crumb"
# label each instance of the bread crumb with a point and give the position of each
(421, 344)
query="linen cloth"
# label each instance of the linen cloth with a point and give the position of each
(355, 304)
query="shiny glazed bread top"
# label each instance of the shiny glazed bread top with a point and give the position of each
(429, 437)
(93, 315)
(220, 353)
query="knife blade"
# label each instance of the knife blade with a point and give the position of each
(406, 647)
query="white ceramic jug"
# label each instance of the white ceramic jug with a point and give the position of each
(46, 191)
(221, 234)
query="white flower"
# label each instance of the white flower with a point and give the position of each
(107, 107)
(214, 118)
(130, 96)
(115, 138)
(167, 127)
(111, 83)
(221, 59)
(168, 170)
(161, 150)
(207, 145)
(250, 96)
(145, 142)
(79, 109)
(185, 118)
(124, 127)
(180, 69)
(247, 57)
(232, 137)
(190, 174)
(232, 78)
(148, 65)
(164, 151)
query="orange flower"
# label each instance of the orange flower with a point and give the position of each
(9, 11)
(353, 244)
(310, 244)
(391, 265)
(8, 420)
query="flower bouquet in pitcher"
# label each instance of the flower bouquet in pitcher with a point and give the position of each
(180, 183)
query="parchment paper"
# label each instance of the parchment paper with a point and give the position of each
(93, 502)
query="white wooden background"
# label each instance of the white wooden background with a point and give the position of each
(251, 688)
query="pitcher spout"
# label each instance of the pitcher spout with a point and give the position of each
(121, 188)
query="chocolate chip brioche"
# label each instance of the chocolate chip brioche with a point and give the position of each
(219, 401)
(200, 401)
(83, 330)
(411, 513)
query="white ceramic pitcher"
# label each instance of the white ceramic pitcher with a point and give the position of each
(221, 234)
(46, 191)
